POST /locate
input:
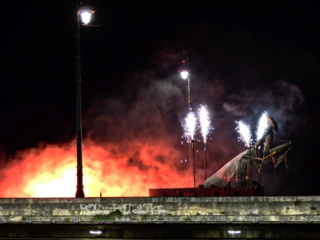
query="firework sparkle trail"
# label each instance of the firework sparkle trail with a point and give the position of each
(205, 126)
(204, 122)
(245, 133)
(262, 125)
(190, 125)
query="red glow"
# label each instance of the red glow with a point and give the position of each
(116, 170)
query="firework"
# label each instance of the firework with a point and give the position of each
(204, 122)
(190, 125)
(245, 133)
(205, 127)
(262, 125)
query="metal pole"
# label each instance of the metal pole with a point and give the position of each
(187, 66)
(79, 193)
(189, 151)
(189, 109)
(194, 166)
(189, 100)
(205, 160)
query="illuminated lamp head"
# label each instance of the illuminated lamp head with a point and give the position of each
(184, 74)
(184, 70)
(85, 15)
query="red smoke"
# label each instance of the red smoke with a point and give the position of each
(128, 169)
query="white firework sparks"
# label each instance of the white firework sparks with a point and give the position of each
(190, 125)
(245, 133)
(262, 125)
(204, 122)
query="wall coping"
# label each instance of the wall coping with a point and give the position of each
(161, 199)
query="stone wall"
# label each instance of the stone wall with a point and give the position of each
(294, 209)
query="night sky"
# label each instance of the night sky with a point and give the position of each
(245, 57)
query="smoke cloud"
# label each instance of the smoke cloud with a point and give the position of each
(134, 142)
(127, 150)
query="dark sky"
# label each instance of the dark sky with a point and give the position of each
(245, 57)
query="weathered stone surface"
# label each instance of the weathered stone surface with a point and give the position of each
(163, 209)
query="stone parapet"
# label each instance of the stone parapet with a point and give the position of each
(260, 209)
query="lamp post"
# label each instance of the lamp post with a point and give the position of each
(184, 73)
(205, 160)
(85, 16)
(194, 165)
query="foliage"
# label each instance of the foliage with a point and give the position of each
(297, 203)
(111, 216)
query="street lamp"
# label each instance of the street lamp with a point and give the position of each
(184, 73)
(85, 15)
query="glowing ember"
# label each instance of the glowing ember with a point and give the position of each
(204, 122)
(190, 125)
(262, 125)
(127, 170)
(245, 133)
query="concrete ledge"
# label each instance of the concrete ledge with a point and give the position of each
(277, 209)
(162, 199)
